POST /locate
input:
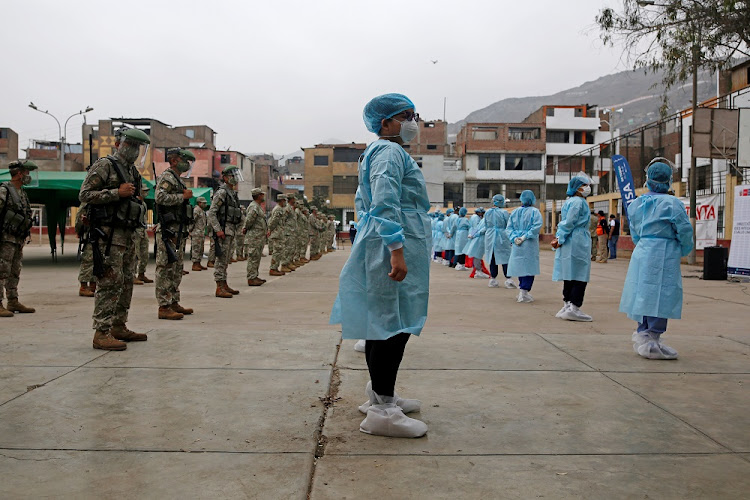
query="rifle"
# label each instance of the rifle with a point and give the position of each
(166, 238)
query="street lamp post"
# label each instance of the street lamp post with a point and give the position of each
(60, 129)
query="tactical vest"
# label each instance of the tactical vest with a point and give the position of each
(229, 212)
(176, 214)
(124, 213)
(16, 216)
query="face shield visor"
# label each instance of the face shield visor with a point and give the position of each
(134, 152)
(186, 168)
(30, 178)
(234, 177)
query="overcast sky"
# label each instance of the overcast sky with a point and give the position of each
(275, 75)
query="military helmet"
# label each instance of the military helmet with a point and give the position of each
(132, 134)
(22, 164)
(229, 169)
(182, 153)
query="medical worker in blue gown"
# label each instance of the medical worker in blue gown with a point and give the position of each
(436, 219)
(496, 242)
(662, 234)
(462, 239)
(449, 232)
(438, 243)
(384, 285)
(523, 230)
(475, 247)
(572, 246)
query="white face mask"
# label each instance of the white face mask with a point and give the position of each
(409, 130)
(586, 191)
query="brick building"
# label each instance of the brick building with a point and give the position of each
(8, 146)
(46, 154)
(331, 174)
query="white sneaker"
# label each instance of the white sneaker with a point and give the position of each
(360, 345)
(493, 283)
(509, 283)
(561, 311)
(524, 296)
(575, 314)
(480, 274)
(406, 405)
(460, 267)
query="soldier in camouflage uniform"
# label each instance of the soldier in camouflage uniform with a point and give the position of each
(212, 242)
(314, 233)
(255, 229)
(224, 217)
(175, 216)
(330, 233)
(276, 237)
(304, 225)
(239, 242)
(141, 245)
(198, 234)
(110, 190)
(292, 243)
(288, 226)
(15, 230)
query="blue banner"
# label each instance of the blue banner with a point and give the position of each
(624, 181)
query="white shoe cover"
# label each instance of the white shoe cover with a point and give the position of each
(387, 419)
(573, 313)
(493, 283)
(649, 347)
(360, 345)
(524, 296)
(561, 311)
(446, 262)
(509, 283)
(406, 405)
(480, 274)
(460, 267)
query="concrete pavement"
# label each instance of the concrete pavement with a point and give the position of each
(256, 396)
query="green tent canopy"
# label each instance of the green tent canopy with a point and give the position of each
(58, 191)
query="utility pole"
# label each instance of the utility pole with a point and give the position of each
(693, 177)
(60, 130)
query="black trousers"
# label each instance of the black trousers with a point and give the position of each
(494, 269)
(461, 259)
(573, 292)
(383, 359)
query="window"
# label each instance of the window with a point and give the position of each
(226, 158)
(190, 133)
(3, 133)
(580, 137)
(345, 184)
(488, 190)
(320, 191)
(453, 193)
(703, 175)
(523, 162)
(550, 111)
(484, 133)
(523, 134)
(432, 146)
(578, 113)
(429, 124)
(346, 154)
(513, 191)
(490, 161)
(557, 136)
(320, 160)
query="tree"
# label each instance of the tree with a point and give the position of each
(678, 36)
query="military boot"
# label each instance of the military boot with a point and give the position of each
(254, 282)
(304, 260)
(144, 278)
(92, 286)
(137, 281)
(197, 266)
(276, 272)
(85, 291)
(230, 290)
(4, 313)
(221, 291)
(122, 332)
(166, 312)
(15, 306)
(176, 307)
(291, 266)
(210, 263)
(285, 269)
(103, 340)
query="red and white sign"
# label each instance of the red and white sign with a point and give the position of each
(707, 222)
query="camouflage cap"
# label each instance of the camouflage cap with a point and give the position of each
(313, 207)
(256, 192)
(291, 196)
(281, 197)
(22, 164)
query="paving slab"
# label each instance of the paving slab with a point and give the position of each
(26, 346)
(718, 405)
(249, 348)
(524, 477)
(697, 354)
(168, 409)
(474, 351)
(15, 381)
(515, 413)
(125, 475)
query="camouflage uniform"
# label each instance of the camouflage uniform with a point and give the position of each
(11, 244)
(115, 288)
(275, 241)
(212, 243)
(240, 246)
(256, 229)
(169, 189)
(198, 235)
(304, 234)
(86, 274)
(141, 246)
(225, 200)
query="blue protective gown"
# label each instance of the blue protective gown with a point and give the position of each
(449, 230)
(438, 242)
(524, 259)
(392, 206)
(573, 258)
(662, 234)
(496, 242)
(462, 235)
(475, 247)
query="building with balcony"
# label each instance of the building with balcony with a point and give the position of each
(331, 176)
(8, 146)
(46, 154)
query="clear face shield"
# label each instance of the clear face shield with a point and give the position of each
(234, 177)
(134, 152)
(30, 178)
(186, 168)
